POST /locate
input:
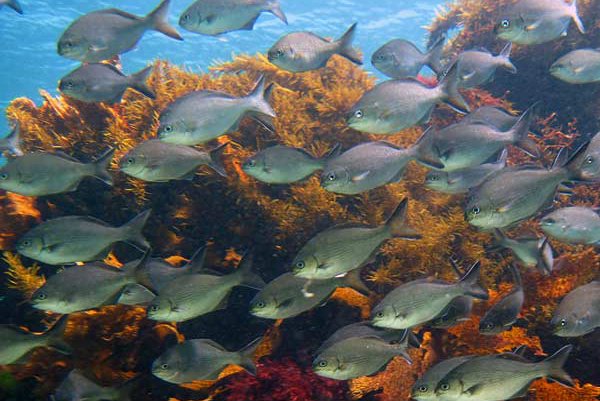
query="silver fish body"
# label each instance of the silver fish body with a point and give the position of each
(573, 225)
(504, 313)
(457, 311)
(529, 252)
(579, 66)
(424, 387)
(477, 67)
(363, 329)
(494, 116)
(77, 387)
(579, 311)
(589, 161)
(400, 58)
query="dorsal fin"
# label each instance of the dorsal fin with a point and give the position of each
(63, 155)
(121, 13)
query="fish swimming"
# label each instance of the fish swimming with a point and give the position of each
(214, 17)
(305, 51)
(477, 67)
(424, 387)
(77, 387)
(70, 239)
(504, 313)
(43, 173)
(14, 4)
(400, 58)
(104, 34)
(157, 161)
(201, 359)
(579, 311)
(201, 116)
(573, 225)
(579, 66)
(589, 161)
(98, 82)
(528, 251)
(12, 142)
(339, 250)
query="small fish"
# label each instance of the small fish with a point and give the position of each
(211, 17)
(16, 344)
(417, 302)
(400, 58)
(397, 104)
(530, 22)
(12, 142)
(104, 34)
(14, 4)
(193, 295)
(289, 295)
(477, 67)
(305, 51)
(461, 181)
(66, 240)
(457, 311)
(284, 165)
(581, 66)
(495, 116)
(201, 359)
(43, 173)
(505, 312)
(573, 225)
(77, 387)
(500, 377)
(339, 250)
(103, 83)
(157, 161)
(201, 116)
(424, 387)
(579, 311)
(528, 251)
(589, 161)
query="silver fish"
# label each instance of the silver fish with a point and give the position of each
(504, 313)
(201, 359)
(424, 387)
(104, 34)
(66, 240)
(305, 51)
(500, 377)
(193, 295)
(494, 116)
(42, 173)
(201, 116)
(342, 249)
(12, 142)
(77, 387)
(580, 66)
(573, 225)
(457, 311)
(417, 302)
(283, 164)
(530, 22)
(400, 58)
(157, 161)
(397, 104)
(579, 311)
(589, 161)
(528, 251)
(14, 4)
(477, 67)
(214, 17)
(103, 83)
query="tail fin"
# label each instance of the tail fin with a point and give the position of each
(196, 263)
(100, 167)
(137, 270)
(354, 281)
(573, 164)
(259, 98)
(12, 141)
(132, 231)
(246, 355)
(554, 366)
(516, 275)
(274, 8)
(398, 224)
(55, 336)
(434, 54)
(215, 159)
(331, 154)
(575, 16)
(246, 277)
(400, 350)
(470, 283)
(520, 133)
(449, 86)
(138, 82)
(504, 57)
(157, 19)
(135, 294)
(422, 150)
(345, 48)
(14, 4)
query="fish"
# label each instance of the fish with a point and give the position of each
(44, 173)
(397, 104)
(420, 301)
(289, 295)
(16, 343)
(501, 376)
(70, 239)
(504, 313)
(14, 4)
(201, 359)
(77, 387)
(217, 17)
(135, 294)
(517, 193)
(281, 164)
(581, 66)
(157, 161)
(528, 251)
(462, 180)
(201, 116)
(578, 313)
(457, 311)
(589, 161)
(531, 22)
(424, 387)
(305, 51)
(193, 295)
(80, 288)
(342, 249)
(573, 225)
(400, 58)
(477, 67)
(99, 82)
(495, 116)
(104, 34)
(11, 143)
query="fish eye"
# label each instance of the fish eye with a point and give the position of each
(505, 23)
(322, 364)
(476, 210)
(130, 161)
(41, 296)
(489, 325)
(423, 388)
(589, 159)
(4, 176)
(279, 53)
(26, 243)
(168, 128)
(549, 221)
(379, 314)
(154, 308)
(331, 177)
(563, 322)
(358, 114)
(164, 366)
(445, 387)
(185, 17)
(260, 304)
(300, 265)
(251, 163)
(434, 177)
(68, 43)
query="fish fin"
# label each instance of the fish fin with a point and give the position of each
(361, 176)
(215, 159)
(247, 277)
(117, 99)
(354, 281)
(246, 355)
(522, 392)
(573, 165)
(138, 82)
(449, 85)
(331, 154)
(472, 391)
(13, 140)
(55, 336)
(575, 16)
(139, 271)
(467, 76)
(345, 48)
(470, 283)
(505, 57)
(14, 4)
(197, 261)
(534, 25)
(554, 364)
(142, 295)
(274, 8)
(157, 19)
(422, 157)
(520, 133)
(101, 165)
(250, 24)
(133, 230)
(63, 155)
(398, 176)
(434, 54)
(398, 223)
(259, 99)
(427, 117)
(516, 275)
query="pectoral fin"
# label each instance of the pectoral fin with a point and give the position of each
(361, 176)
(474, 390)
(533, 25)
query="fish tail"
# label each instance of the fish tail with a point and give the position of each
(274, 8)
(420, 150)
(216, 163)
(434, 55)
(331, 154)
(246, 356)
(157, 19)
(470, 283)
(398, 223)
(133, 230)
(554, 366)
(14, 4)
(505, 57)
(196, 263)
(574, 163)
(449, 86)
(516, 275)
(259, 98)
(138, 82)
(13, 140)
(545, 265)
(575, 16)
(354, 281)
(520, 133)
(138, 270)
(345, 48)
(55, 336)
(100, 167)
(400, 350)
(246, 277)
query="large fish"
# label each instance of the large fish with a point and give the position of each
(12, 142)
(579, 66)
(104, 34)
(342, 249)
(214, 17)
(579, 311)
(66, 240)
(201, 116)
(14, 4)
(573, 225)
(77, 387)
(400, 58)
(424, 387)
(528, 251)
(477, 67)
(42, 173)
(505, 312)
(305, 51)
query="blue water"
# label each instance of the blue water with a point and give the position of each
(29, 62)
